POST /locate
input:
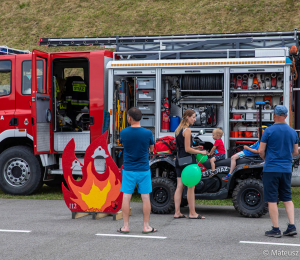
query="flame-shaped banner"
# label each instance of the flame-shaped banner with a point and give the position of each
(95, 192)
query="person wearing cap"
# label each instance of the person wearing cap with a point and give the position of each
(278, 145)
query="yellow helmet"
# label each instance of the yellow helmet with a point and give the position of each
(264, 127)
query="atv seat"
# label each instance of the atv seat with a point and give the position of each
(227, 162)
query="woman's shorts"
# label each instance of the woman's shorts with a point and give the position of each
(140, 179)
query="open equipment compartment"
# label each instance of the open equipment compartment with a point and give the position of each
(250, 85)
(199, 89)
(71, 103)
(131, 88)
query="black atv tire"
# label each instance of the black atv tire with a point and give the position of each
(20, 171)
(247, 198)
(162, 196)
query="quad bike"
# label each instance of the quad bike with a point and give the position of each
(245, 185)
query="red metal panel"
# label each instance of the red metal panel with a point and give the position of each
(96, 92)
(7, 103)
(23, 102)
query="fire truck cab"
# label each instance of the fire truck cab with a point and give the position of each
(46, 100)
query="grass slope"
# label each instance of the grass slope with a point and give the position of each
(23, 22)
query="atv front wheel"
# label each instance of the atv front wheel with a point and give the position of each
(247, 198)
(162, 196)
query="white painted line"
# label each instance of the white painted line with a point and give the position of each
(268, 243)
(116, 235)
(20, 231)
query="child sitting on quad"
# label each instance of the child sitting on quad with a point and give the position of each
(248, 150)
(218, 150)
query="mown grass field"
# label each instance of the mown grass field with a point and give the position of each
(47, 193)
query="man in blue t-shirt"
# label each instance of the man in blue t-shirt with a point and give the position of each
(278, 145)
(137, 142)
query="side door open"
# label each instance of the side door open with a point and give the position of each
(41, 102)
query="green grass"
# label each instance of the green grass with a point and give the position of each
(45, 193)
(50, 193)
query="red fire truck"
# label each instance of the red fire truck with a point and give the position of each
(47, 99)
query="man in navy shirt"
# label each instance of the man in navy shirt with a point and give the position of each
(137, 142)
(278, 145)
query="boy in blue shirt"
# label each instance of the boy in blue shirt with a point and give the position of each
(248, 150)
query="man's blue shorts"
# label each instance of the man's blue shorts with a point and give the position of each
(142, 179)
(277, 183)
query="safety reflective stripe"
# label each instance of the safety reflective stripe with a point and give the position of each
(80, 102)
(68, 98)
(57, 88)
(79, 88)
(63, 106)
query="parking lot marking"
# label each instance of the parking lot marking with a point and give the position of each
(268, 243)
(116, 235)
(20, 231)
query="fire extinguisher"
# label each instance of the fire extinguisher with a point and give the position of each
(165, 126)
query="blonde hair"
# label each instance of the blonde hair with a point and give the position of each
(184, 122)
(218, 131)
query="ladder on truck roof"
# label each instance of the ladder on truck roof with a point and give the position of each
(4, 50)
(136, 47)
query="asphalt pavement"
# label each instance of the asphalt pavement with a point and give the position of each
(41, 229)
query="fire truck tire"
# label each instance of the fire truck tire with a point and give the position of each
(162, 196)
(20, 171)
(247, 198)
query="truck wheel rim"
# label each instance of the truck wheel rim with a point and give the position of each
(251, 198)
(16, 172)
(160, 196)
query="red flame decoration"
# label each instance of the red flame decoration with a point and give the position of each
(95, 192)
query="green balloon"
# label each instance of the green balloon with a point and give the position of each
(201, 157)
(191, 175)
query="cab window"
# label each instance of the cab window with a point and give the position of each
(5, 78)
(26, 77)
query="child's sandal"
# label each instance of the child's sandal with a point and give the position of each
(213, 173)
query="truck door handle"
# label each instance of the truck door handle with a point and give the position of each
(92, 121)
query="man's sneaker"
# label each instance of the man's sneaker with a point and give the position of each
(226, 178)
(290, 231)
(273, 232)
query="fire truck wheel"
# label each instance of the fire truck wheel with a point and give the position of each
(20, 171)
(162, 196)
(247, 198)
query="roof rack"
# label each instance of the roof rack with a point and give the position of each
(136, 46)
(4, 50)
